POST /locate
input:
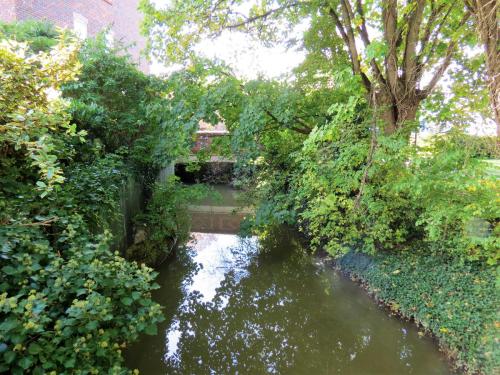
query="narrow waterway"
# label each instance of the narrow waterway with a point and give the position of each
(241, 306)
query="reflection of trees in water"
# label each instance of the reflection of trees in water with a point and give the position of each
(275, 312)
(262, 323)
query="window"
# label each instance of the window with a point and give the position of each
(80, 25)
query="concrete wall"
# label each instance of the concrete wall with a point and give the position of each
(131, 203)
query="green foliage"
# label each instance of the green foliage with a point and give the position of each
(342, 187)
(477, 146)
(126, 111)
(455, 301)
(95, 187)
(457, 200)
(67, 303)
(70, 312)
(34, 128)
(165, 221)
(41, 35)
(360, 190)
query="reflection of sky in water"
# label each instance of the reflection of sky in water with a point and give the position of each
(234, 309)
(217, 254)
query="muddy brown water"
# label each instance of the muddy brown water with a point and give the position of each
(238, 305)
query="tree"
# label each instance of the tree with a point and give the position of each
(391, 45)
(486, 14)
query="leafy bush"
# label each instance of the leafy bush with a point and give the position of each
(344, 186)
(480, 147)
(457, 200)
(125, 111)
(69, 312)
(165, 220)
(67, 303)
(41, 35)
(34, 128)
(357, 189)
(95, 188)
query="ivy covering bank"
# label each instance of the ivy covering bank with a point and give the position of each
(77, 122)
(456, 303)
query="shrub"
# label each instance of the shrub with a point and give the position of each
(457, 200)
(165, 220)
(69, 312)
(67, 303)
(41, 35)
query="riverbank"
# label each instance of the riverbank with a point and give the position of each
(454, 302)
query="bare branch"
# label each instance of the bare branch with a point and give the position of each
(264, 15)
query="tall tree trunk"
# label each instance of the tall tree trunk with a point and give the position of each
(395, 82)
(397, 115)
(486, 14)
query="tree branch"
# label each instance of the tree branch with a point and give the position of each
(410, 53)
(264, 15)
(435, 40)
(304, 130)
(446, 62)
(390, 15)
(429, 26)
(351, 48)
(363, 32)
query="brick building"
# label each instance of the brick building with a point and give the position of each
(86, 18)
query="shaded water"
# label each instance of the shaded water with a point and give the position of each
(241, 306)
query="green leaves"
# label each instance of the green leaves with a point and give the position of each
(454, 300)
(67, 302)
(376, 50)
(56, 323)
(151, 330)
(34, 125)
(127, 301)
(166, 224)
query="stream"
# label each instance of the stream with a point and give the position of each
(237, 305)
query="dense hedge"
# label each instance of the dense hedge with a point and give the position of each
(68, 303)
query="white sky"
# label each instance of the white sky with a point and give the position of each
(246, 57)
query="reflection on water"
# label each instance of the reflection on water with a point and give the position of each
(241, 306)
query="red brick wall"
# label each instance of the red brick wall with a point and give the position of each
(127, 20)
(121, 15)
(98, 12)
(8, 10)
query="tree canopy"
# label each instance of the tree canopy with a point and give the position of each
(400, 50)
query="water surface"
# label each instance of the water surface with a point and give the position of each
(245, 306)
